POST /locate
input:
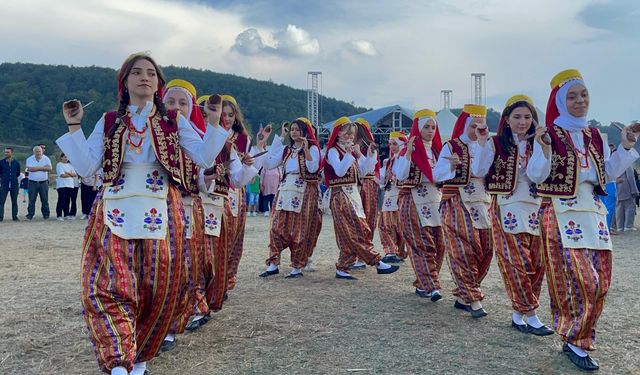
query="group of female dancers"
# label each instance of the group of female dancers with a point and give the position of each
(165, 237)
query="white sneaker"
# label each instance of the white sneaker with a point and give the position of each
(630, 229)
(83, 217)
(255, 214)
(266, 213)
(60, 218)
(71, 218)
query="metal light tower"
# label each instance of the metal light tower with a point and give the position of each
(479, 93)
(314, 85)
(445, 97)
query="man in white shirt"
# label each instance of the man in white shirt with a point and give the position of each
(39, 167)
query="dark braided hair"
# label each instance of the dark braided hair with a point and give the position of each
(162, 109)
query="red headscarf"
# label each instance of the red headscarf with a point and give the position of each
(333, 139)
(188, 89)
(364, 124)
(419, 154)
(311, 136)
(469, 110)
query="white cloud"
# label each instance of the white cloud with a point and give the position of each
(292, 41)
(362, 47)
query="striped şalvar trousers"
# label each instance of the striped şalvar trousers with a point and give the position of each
(352, 233)
(293, 230)
(469, 249)
(217, 253)
(315, 226)
(369, 196)
(130, 288)
(426, 245)
(578, 281)
(237, 239)
(521, 264)
(391, 233)
(198, 260)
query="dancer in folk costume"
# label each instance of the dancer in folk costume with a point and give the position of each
(296, 202)
(420, 202)
(515, 211)
(465, 210)
(570, 163)
(367, 183)
(315, 227)
(233, 118)
(342, 167)
(180, 95)
(389, 221)
(132, 252)
(214, 185)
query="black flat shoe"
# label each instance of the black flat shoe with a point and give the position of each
(167, 346)
(270, 273)
(392, 259)
(294, 275)
(435, 296)
(195, 324)
(359, 267)
(478, 313)
(423, 293)
(461, 306)
(226, 296)
(348, 277)
(520, 327)
(541, 331)
(387, 271)
(584, 363)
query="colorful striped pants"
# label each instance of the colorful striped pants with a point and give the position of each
(578, 281)
(292, 230)
(391, 233)
(237, 240)
(130, 288)
(426, 245)
(217, 253)
(198, 260)
(315, 227)
(521, 264)
(470, 250)
(370, 197)
(352, 233)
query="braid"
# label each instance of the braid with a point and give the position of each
(161, 108)
(122, 111)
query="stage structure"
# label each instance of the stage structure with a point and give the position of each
(314, 91)
(479, 89)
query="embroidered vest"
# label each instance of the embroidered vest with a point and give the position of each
(463, 171)
(388, 171)
(503, 173)
(563, 179)
(164, 141)
(350, 178)
(240, 142)
(223, 180)
(190, 173)
(302, 165)
(368, 176)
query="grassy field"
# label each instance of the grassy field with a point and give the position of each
(312, 325)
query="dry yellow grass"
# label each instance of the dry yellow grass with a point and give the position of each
(313, 325)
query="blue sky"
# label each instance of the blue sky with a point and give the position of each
(373, 53)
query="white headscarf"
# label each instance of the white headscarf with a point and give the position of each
(567, 121)
(421, 123)
(186, 93)
(464, 137)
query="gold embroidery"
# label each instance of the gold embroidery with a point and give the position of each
(116, 146)
(162, 152)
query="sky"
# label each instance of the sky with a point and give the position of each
(372, 53)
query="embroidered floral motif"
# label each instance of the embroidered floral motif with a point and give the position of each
(603, 232)
(295, 202)
(279, 204)
(155, 181)
(233, 202)
(299, 182)
(425, 211)
(470, 188)
(387, 202)
(475, 213)
(597, 201)
(534, 221)
(348, 189)
(115, 217)
(211, 221)
(573, 231)
(153, 220)
(187, 222)
(117, 185)
(510, 221)
(533, 191)
(569, 202)
(422, 191)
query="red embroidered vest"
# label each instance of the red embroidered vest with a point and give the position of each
(388, 171)
(240, 141)
(503, 173)
(223, 180)
(368, 176)
(350, 178)
(165, 144)
(563, 179)
(190, 173)
(463, 171)
(302, 166)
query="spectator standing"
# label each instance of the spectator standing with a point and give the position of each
(9, 172)
(627, 191)
(73, 210)
(24, 186)
(88, 190)
(610, 199)
(253, 191)
(39, 167)
(64, 185)
(269, 181)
